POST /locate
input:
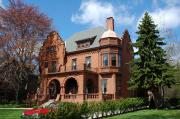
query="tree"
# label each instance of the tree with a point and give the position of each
(22, 28)
(150, 69)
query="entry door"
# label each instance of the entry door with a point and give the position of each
(104, 86)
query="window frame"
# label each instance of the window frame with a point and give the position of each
(54, 68)
(74, 67)
(113, 60)
(105, 61)
(86, 60)
(104, 86)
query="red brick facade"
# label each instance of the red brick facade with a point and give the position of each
(88, 73)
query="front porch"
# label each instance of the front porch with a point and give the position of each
(81, 86)
(72, 91)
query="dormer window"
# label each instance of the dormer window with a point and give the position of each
(85, 43)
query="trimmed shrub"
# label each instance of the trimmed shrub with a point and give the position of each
(68, 110)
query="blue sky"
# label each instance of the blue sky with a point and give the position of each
(71, 16)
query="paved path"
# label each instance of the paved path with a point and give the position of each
(17, 108)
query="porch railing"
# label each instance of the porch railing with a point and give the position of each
(92, 96)
(70, 96)
(108, 96)
(78, 67)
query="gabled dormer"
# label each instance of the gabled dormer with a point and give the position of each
(85, 43)
(52, 53)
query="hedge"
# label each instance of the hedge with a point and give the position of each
(67, 110)
(95, 109)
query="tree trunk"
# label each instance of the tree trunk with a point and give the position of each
(17, 95)
(156, 98)
(151, 99)
(162, 96)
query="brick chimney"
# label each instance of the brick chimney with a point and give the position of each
(110, 23)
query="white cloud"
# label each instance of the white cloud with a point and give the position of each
(167, 17)
(155, 4)
(126, 20)
(172, 3)
(1, 3)
(95, 12)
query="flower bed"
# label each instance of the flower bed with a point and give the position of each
(34, 113)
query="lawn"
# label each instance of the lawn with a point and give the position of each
(143, 114)
(10, 113)
(150, 114)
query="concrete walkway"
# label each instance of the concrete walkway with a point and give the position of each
(16, 108)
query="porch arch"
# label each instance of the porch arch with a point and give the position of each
(54, 88)
(71, 86)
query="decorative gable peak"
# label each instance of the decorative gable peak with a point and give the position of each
(54, 36)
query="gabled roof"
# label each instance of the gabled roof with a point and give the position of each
(71, 43)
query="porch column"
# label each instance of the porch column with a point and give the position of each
(114, 84)
(100, 86)
(62, 92)
(80, 94)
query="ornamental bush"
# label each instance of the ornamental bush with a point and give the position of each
(67, 110)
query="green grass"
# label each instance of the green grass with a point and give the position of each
(149, 114)
(8, 105)
(10, 113)
(143, 114)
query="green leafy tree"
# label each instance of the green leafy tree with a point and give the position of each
(150, 70)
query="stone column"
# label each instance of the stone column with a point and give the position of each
(62, 92)
(114, 84)
(100, 86)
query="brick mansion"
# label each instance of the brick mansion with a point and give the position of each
(91, 65)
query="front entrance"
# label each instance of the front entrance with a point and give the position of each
(54, 89)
